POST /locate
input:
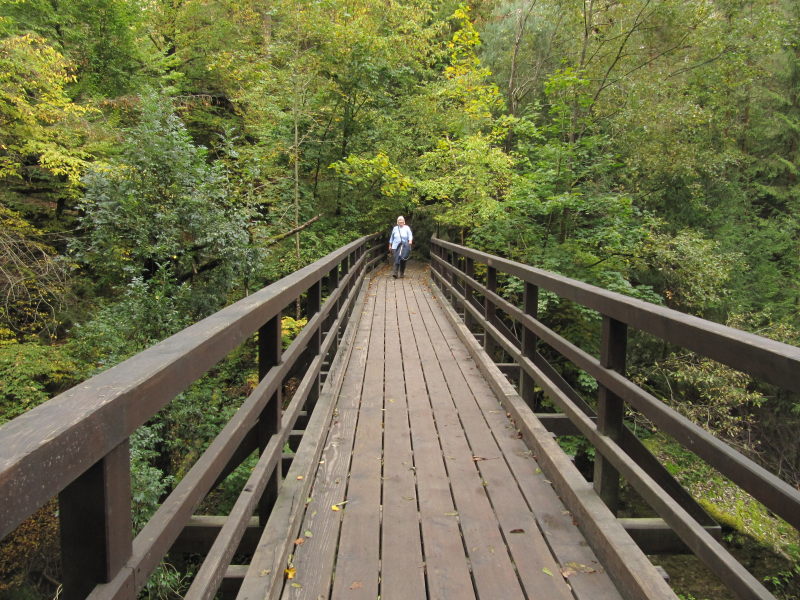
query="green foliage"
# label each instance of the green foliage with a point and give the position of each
(31, 373)
(162, 212)
(98, 36)
(40, 129)
(145, 313)
(290, 328)
(725, 502)
(689, 270)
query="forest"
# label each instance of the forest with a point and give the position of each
(160, 159)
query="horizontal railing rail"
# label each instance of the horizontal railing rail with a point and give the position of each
(618, 451)
(76, 446)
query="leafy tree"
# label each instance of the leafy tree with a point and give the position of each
(38, 136)
(161, 212)
(98, 36)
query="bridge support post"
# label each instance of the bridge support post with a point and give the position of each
(313, 304)
(610, 409)
(270, 348)
(333, 283)
(529, 344)
(96, 526)
(469, 271)
(490, 310)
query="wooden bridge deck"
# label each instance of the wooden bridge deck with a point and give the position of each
(424, 489)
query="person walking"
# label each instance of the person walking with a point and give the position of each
(400, 245)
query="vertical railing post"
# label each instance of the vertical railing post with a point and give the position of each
(437, 250)
(610, 409)
(270, 348)
(313, 304)
(346, 266)
(459, 264)
(490, 310)
(529, 343)
(451, 275)
(469, 271)
(333, 283)
(96, 525)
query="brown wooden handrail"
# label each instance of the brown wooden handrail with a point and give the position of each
(764, 359)
(76, 445)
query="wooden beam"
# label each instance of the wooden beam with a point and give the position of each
(654, 536)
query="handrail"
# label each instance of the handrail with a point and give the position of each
(768, 360)
(76, 444)
(772, 361)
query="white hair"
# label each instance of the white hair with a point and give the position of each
(401, 217)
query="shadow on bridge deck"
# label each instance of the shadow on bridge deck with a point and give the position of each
(424, 488)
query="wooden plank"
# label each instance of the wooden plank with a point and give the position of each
(492, 567)
(447, 570)
(314, 560)
(577, 562)
(402, 574)
(537, 569)
(358, 563)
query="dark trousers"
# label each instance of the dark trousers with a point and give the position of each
(399, 263)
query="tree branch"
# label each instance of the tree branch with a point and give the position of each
(278, 238)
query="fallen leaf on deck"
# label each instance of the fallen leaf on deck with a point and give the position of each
(580, 568)
(547, 571)
(296, 585)
(307, 533)
(265, 572)
(299, 477)
(290, 572)
(517, 531)
(356, 585)
(299, 541)
(451, 514)
(334, 507)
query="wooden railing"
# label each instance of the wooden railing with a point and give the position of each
(618, 451)
(76, 446)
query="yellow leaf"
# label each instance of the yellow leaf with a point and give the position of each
(291, 572)
(335, 507)
(547, 571)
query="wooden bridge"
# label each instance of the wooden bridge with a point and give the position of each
(420, 467)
